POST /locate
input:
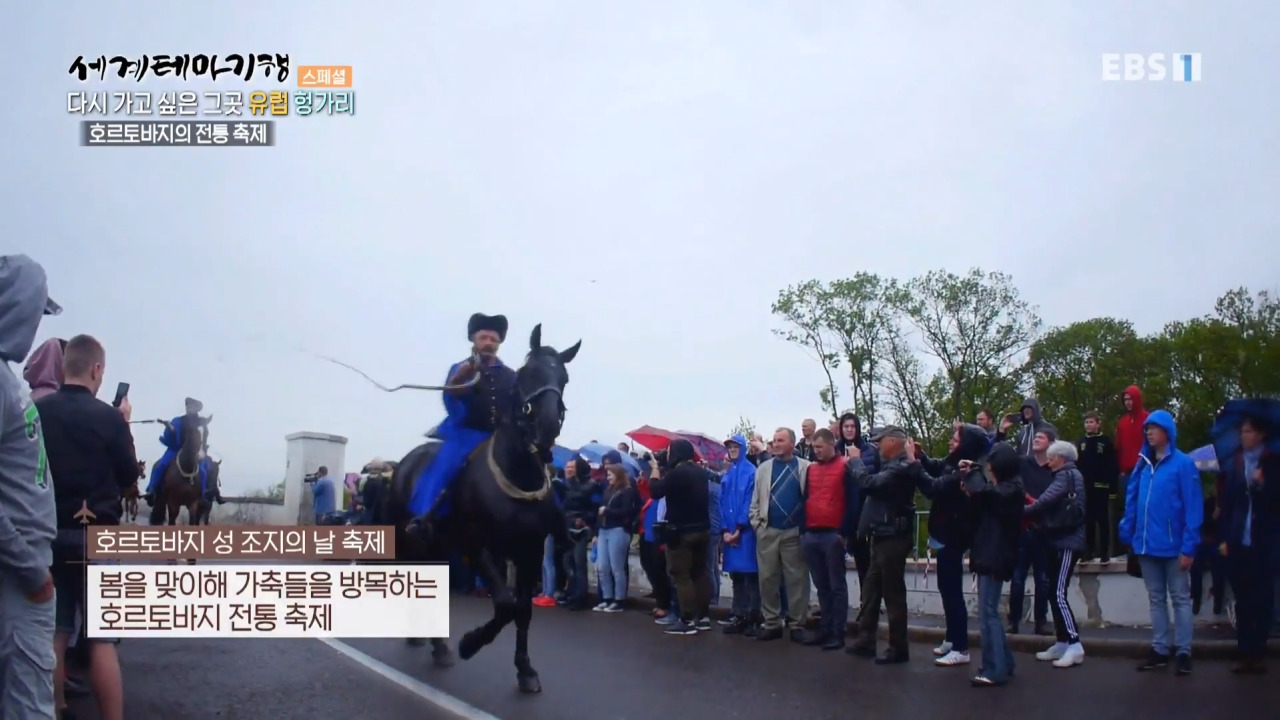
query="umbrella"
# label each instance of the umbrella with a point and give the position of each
(1206, 459)
(1226, 428)
(709, 448)
(560, 456)
(652, 437)
(595, 452)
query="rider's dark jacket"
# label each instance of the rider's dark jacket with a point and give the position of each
(91, 455)
(493, 394)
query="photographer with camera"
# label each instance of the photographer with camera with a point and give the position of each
(92, 460)
(888, 519)
(687, 533)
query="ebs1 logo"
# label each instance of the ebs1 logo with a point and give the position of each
(1179, 67)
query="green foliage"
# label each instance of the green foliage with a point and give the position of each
(745, 428)
(275, 492)
(941, 346)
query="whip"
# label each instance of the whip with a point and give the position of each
(407, 386)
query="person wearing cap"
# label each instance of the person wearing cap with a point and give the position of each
(28, 517)
(480, 387)
(171, 439)
(888, 520)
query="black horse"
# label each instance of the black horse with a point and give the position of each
(503, 507)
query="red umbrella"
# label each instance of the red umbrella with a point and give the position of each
(653, 438)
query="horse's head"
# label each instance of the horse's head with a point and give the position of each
(540, 391)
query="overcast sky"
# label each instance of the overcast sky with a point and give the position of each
(641, 176)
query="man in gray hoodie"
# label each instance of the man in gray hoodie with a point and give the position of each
(28, 523)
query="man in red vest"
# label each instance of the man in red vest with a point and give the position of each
(830, 500)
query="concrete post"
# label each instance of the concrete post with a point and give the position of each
(306, 452)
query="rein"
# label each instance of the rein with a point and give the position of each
(509, 489)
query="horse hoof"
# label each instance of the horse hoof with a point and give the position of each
(442, 658)
(468, 646)
(529, 684)
(415, 642)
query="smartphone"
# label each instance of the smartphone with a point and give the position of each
(122, 390)
(1013, 418)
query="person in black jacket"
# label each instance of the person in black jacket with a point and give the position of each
(92, 461)
(888, 519)
(582, 497)
(688, 525)
(1033, 551)
(950, 532)
(998, 496)
(1100, 467)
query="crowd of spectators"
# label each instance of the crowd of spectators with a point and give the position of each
(783, 518)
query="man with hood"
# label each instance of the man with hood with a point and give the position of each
(1163, 511)
(582, 499)
(28, 518)
(1130, 437)
(1031, 422)
(851, 443)
(686, 490)
(43, 371)
(739, 538)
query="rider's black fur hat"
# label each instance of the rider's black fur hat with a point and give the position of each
(494, 323)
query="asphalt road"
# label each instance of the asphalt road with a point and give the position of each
(620, 667)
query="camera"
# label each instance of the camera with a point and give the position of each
(660, 457)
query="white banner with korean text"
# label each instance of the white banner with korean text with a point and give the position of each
(287, 601)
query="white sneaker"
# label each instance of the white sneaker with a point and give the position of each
(1074, 655)
(952, 658)
(942, 649)
(1053, 653)
(600, 607)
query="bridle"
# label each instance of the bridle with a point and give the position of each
(523, 421)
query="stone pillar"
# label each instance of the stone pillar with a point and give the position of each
(306, 452)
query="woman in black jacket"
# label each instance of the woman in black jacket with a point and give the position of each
(998, 497)
(950, 532)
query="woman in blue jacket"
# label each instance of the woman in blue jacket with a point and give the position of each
(739, 540)
(1163, 510)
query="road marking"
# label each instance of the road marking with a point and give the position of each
(434, 696)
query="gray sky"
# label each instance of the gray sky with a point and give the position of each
(644, 177)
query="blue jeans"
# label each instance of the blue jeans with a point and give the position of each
(713, 566)
(549, 566)
(951, 590)
(997, 659)
(1166, 584)
(611, 563)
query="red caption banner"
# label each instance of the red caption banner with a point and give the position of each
(241, 542)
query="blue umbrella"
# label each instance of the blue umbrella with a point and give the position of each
(1226, 428)
(560, 456)
(1205, 458)
(595, 452)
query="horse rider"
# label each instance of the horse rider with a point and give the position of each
(171, 438)
(472, 414)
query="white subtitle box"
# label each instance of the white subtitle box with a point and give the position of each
(285, 601)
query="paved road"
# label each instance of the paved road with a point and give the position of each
(620, 667)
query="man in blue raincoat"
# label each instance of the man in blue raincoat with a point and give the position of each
(171, 438)
(472, 409)
(739, 539)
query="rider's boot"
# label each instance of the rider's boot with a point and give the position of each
(150, 498)
(422, 524)
(217, 497)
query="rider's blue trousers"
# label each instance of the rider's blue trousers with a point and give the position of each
(444, 468)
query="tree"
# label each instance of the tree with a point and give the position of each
(275, 492)
(904, 383)
(803, 308)
(745, 428)
(977, 326)
(860, 316)
(1084, 366)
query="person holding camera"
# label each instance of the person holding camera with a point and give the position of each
(888, 519)
(997, 496)
(93, 461)
(687, 533)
